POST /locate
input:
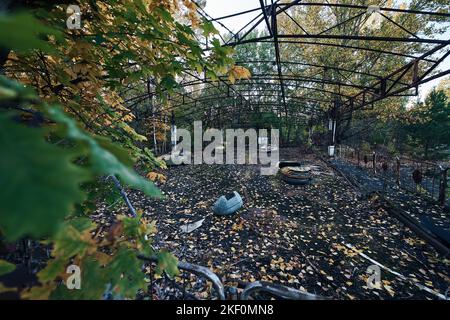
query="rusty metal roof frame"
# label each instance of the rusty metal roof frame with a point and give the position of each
(380, 86)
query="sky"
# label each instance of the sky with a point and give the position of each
(220, 8)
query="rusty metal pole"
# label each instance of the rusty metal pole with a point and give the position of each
(398, 170)
(443, 186)
(374, 157)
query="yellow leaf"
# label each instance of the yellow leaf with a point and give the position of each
(39, 293)
(238, 227)
(154, 176)
(238, 72)
(6, 289)
(231, 78)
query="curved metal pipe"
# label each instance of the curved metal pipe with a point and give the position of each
(205, 272)
(197, 270)
(279, 291)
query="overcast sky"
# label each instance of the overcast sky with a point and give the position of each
(220, 8)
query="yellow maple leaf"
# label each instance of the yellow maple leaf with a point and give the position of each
(154, 176)
(238, 72)
(238, 226)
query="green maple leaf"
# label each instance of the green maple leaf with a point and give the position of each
(167, 262)
(6, 267)
(103, 161)
(53, 268)
(94, 281)
(125, 272)
(40, 184)
(28, 32)
(208, 28)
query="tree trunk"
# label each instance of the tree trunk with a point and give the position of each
(4, 52)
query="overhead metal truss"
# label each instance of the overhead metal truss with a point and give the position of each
(286, 89)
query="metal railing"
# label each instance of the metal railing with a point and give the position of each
(424, 178)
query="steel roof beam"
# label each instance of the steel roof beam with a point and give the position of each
(361, 100)
(311, 65)
(264, 10)
(363, 7)
(363, 38)
(266, 40)
(296, 87)
(303, 79)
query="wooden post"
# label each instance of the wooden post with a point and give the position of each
(398, 170)
(443, 187)
(357, 151)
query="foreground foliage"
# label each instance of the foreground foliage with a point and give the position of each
(64, 128)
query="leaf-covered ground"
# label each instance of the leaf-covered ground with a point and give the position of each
(293, 235)
(405, 196)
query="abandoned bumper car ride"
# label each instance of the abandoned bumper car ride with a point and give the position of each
(228, 204)
(294, 172)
